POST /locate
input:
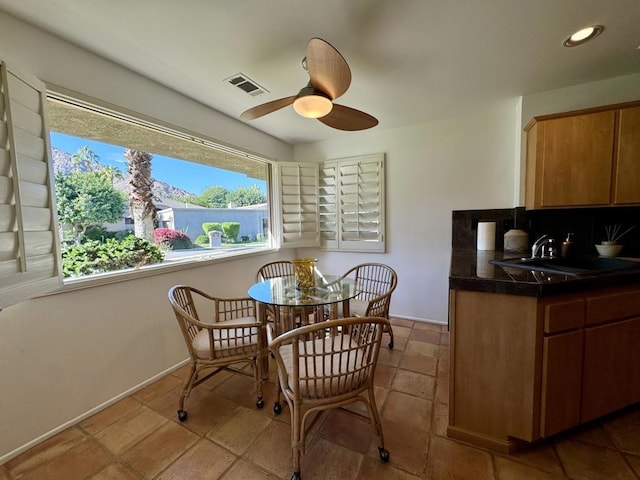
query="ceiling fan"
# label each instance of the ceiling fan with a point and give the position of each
(329, 78)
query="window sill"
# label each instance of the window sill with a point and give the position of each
(90, 281)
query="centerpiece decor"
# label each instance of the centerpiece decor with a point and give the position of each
(610, 247)
(304, 271)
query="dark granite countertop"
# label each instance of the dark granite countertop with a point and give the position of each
(471, 270)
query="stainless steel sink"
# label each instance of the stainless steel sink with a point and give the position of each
(575, 266)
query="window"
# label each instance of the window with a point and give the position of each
(30, 238)
(195, 182)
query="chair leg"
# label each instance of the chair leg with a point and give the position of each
(257, 374)
(297, 439)
(376, 424)
(277, 406)
(390, 331)
(186, 390)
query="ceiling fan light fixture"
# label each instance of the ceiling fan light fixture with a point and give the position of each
(583, 35)
(312, 106)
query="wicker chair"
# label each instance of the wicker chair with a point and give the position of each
(376, 282)
(231, 335)
(328, 365)
(280, 268)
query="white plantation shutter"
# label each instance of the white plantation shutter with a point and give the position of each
(299, 205)
(356, 185)
(29, 246)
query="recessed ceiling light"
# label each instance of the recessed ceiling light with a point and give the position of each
(583, 35)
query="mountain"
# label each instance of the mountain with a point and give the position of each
(62, 162)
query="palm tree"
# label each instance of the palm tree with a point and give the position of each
(143, 210)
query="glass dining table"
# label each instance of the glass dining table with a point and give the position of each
(288, 301)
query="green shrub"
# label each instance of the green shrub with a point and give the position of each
(260, 237)
(112, 255)
(202, 240)
(211, 226)
(231, 231)
(245, 238)
(169, 239)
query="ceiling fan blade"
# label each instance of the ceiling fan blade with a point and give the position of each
(260, 110)
(328, 70)
(346, 118)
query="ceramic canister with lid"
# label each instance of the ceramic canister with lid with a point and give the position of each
(516, 240)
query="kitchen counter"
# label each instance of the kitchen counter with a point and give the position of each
(470, 270)
(535, 354)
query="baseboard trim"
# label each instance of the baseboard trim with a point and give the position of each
(14, 453)
(417, 319)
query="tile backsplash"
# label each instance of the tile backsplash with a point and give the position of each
(587, 225)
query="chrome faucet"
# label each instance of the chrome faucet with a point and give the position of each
(539, 245)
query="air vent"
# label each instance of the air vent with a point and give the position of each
(244, 83)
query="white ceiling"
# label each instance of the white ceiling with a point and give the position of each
(411, 60)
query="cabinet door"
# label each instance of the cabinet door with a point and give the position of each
(611, 377)
(627, 180)
(577, 156)
(561, 382)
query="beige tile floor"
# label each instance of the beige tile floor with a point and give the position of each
(226, 437)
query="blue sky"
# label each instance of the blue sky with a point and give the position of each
(189, 176)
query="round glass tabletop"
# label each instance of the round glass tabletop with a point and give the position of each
(283, 291)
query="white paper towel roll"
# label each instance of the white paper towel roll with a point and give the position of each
(486, 235)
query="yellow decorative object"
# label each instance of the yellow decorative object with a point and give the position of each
(304, 270)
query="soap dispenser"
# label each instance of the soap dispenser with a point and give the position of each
(567, 248)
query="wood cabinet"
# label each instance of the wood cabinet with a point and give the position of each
(627, 176)
(586, 158)
(562, 354)
(530, 367)
(611, 368)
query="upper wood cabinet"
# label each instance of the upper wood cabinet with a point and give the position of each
(627, 177)
(586, 158)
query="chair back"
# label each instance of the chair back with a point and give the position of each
(280, 268)
(375, 282)
(232, 329)
(181, 300)
(335, 359)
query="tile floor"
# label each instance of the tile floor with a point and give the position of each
(226, 437)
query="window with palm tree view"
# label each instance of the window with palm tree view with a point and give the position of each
(132, 194)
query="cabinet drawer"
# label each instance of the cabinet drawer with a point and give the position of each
(614, 306)
(565, 315)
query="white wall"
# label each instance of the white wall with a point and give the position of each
(431, 169)
(594, 94)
